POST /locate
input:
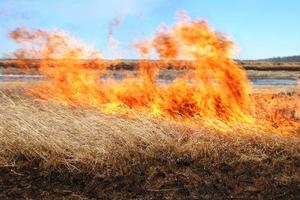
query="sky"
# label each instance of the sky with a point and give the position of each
(260, 28)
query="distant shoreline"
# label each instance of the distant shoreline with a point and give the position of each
(130, 64)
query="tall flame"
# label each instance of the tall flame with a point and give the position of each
(214, 86)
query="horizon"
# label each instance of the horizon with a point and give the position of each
(154, 59)
(260, 30)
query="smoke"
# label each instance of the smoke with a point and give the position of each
(87, 18)
(113, 43)
(113, 24)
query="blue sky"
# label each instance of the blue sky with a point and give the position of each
(260, 28)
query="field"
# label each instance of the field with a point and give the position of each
(255, 69)
(52, 151)
(58, 150)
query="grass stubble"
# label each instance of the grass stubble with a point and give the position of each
(52, 151)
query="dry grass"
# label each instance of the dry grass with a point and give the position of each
(255, 69)
(53, 151)
(268, 65)
(278, 74)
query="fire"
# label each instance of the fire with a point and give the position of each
(213, 87)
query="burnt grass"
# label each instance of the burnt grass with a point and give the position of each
(184, 179)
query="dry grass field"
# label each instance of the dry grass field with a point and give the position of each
(51, 151)
(259, 69)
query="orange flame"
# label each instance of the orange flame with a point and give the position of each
(214, 86)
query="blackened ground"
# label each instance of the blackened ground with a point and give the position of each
(186, 179)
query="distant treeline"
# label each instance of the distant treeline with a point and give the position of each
(290, 63)
(282, 59)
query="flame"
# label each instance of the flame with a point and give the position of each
(213, 86)
(278, 112)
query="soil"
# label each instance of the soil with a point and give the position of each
(187, 179)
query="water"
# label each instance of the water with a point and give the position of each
(273, 81)
(256, 81)
(20, 78)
